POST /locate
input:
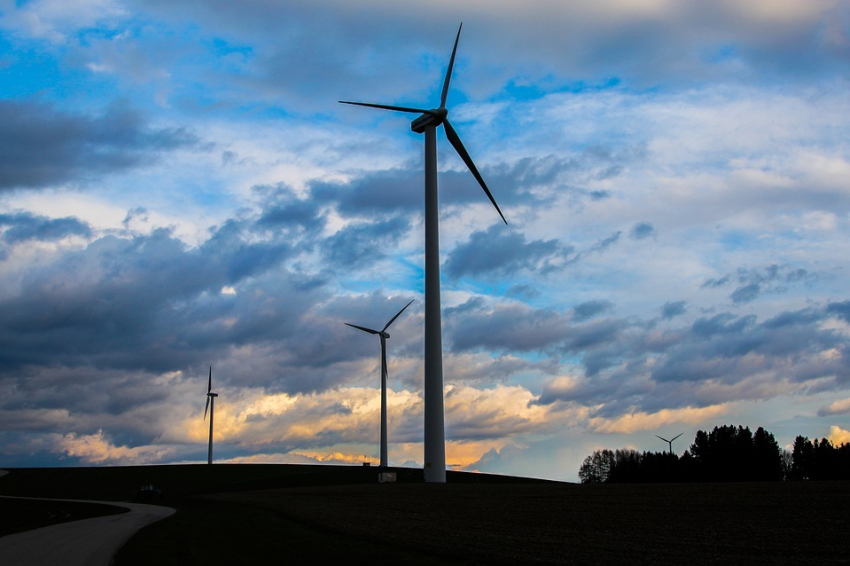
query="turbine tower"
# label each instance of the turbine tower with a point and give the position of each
(426, 123)
(670, 442)
(383, 334)
(211, 406)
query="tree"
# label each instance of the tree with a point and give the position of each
(802, 459)
(730, 453)
(766, 457)
(596, 468)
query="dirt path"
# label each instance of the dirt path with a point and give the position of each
(88, 542)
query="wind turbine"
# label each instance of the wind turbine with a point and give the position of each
(383, 334)
(427, 122)
(670, 442)
(211, 406)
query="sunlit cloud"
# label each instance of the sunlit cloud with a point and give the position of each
(838, 436)
(840, 407)
(97, 449)
(635, 422)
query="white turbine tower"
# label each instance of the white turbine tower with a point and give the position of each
(211, 406)
(670, 442)
(427, 122)
(384, 335)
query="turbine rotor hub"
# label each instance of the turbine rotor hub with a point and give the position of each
(433, 117)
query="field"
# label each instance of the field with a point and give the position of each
(270, 514)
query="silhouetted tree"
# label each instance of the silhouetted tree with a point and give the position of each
(629, 466)
(787, 465)
(625, 466)
(727, 453)
(766, 457)
(596, 467)
(820, 460)
(730, 453)
(802, 457)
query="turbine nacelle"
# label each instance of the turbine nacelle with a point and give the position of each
(433, 117)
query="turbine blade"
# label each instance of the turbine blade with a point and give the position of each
(207, 407)
(662, 438)
(458, 145)
(364, 329)
(677, 436)
(388, 107)
(209, 386)
(449, 70)
(392, 320)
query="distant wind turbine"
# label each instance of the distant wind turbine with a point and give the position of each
(670, 442)
(427, 122)
(384, 335)
(211, 406)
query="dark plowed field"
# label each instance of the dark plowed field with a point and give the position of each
(759, 523)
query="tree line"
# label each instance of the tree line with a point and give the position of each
(727, 453)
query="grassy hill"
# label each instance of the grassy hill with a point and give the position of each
(268, 514)
(123, 483)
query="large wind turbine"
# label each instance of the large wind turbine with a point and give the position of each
(670, 442)
(427, 122)
(211, 406)
(383, 334)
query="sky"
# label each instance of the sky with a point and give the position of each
(180, 189)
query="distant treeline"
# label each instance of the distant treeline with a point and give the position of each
(727, 453)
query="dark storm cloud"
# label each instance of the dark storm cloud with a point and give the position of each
(730, 348)
(327, 50)
(718, 359)
(394, 191)
(642, 231)
(674, 309)
(751, 283)
(41, 146)
(841, 310)
(522, 291)
(473, 326)
(25, 226)
(746, 294)
(147, 302)
(591, 309)
(363, 243)
(284, 210)
(502, 251)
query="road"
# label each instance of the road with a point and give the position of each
(88, 542)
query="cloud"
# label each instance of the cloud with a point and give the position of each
(591, 309)
(497, 413)
(23, 226)
(136, 302)
(506, 327)
(641, 231)
(363, 243)
(840, 407)
(634, 422)
(753, 282)
(500, 252)
(674, 309)
(717, 360)
(838, 436)
(97, 449)
(44, 147)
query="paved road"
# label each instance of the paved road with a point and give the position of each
(88, 542)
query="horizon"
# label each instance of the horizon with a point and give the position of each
(179, 189)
